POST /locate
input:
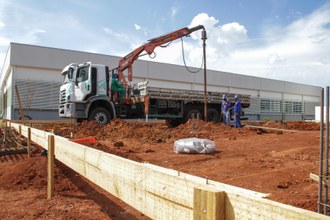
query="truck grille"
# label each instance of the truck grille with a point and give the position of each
(62, 101)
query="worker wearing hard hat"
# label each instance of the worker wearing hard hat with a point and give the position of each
(237, 110)
(225, 111)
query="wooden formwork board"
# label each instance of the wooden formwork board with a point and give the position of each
(65, 121)
(37, 136)
(162, 193)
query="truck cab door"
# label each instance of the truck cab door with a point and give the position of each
(83, 82)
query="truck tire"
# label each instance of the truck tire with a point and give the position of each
(194, 113)
(100, 115)
(213, 115)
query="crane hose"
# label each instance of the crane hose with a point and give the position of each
(184, 60)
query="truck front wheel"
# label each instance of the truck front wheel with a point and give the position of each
(100, 115)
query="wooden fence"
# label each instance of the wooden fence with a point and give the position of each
(162, 193)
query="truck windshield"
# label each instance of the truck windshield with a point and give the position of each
(68, 76)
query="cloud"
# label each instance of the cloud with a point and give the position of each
(174, 11)
(275, 58)
(4, 41)
(1, 25)
(298, 52)
(137, 27)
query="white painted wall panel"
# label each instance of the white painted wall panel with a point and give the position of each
(169, 84)
(271, 95)
(28, 73)
(292, 97)
(308, 98)
(271, 85)
(296, 88)
(253, 93)
(241, 81)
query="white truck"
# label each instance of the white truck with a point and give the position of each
(86, 92)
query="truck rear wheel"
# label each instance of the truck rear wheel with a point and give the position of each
(100, 115)
(213, 115)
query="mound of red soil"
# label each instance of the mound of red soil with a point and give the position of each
(293, 125)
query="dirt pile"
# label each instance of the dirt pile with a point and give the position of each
(293, 125)
(152, 133)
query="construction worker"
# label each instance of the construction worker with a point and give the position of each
(237, 110)
(225, 104)
(117, 87)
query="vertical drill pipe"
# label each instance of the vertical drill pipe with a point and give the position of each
(205, 83)
(325, 211)
(320, 195)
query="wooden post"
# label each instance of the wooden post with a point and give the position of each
(209, 204)
(51, 166)
(29, 142)
(19, 140)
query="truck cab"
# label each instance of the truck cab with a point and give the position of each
(86, 92)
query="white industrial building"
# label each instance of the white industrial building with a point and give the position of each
(36, 71)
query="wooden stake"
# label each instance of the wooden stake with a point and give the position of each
(29, 142)
(209, 204)
(19, 140)
(51, 158)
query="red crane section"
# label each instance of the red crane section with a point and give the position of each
(149, 47)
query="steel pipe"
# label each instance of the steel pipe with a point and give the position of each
(320, 195)
(326, 173)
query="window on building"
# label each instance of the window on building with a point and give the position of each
(293, 107)
(268, 105)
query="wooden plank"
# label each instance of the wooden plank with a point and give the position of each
(40, 137)
(37, 136)
(28, 141)
(10, 151)
(209, 204)
(204, 182)
(317, 178)
(19, 138)
(271, 129)
(65, 121)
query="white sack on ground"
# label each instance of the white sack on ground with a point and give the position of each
(194, 146)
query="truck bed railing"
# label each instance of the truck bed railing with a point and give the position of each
(191, 95)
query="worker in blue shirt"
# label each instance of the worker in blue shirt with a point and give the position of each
(117, 87)
(237, 109)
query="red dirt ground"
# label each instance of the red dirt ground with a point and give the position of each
(274, 162)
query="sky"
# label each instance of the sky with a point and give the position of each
(278, 39)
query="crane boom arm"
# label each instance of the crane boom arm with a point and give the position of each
(149, 47)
